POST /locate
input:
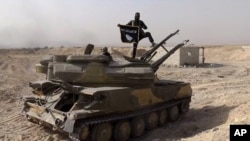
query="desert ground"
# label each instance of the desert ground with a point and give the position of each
(220, 94)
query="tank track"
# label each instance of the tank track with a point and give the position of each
(114, 117)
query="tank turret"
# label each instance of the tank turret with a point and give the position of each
(99, 98)
(98, 70)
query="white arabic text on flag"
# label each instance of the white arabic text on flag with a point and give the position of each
(129, 34)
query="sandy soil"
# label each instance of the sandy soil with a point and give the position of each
(220, 95)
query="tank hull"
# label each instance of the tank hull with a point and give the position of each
(70, 112)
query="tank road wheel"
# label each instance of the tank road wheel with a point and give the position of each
(173, 113)
(122, 131)
(151, 121)
(102, 132)
(138, 126)
(84, 133)
(184, 106)
(163, 117)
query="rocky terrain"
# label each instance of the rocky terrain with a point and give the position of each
(220, 94)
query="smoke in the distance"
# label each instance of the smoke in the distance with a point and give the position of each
(37, 23)
(32, 23)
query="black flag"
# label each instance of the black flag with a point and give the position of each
(129, 34)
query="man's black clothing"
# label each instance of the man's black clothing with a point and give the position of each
(141, 26)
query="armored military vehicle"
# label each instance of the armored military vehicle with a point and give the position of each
(95, 97)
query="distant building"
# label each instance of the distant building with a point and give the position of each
(246, 46)
(192, 55)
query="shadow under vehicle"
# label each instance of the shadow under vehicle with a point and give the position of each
(93, 97)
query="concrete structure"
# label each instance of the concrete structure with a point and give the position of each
(192, 56)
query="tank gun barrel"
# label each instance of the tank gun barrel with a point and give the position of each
(147, 55)
(157, 63)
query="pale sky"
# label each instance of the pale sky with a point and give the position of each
(32, 23)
